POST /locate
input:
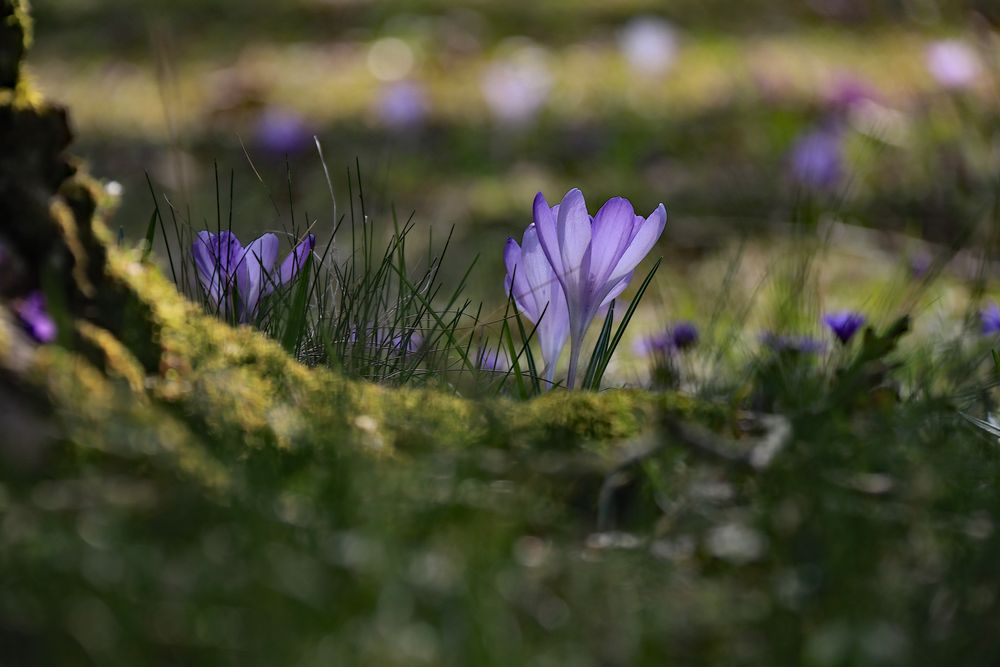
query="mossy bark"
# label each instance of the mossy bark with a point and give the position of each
(15, 37)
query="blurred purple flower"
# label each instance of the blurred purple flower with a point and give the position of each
(953, 63)
(403, 105)
(649, 45)
(990, 318)
(515, 89)
(685, 335)
(538, 295)
(654, 345)
(35, 318)
(920, 263)
(406, 342)
(593, 257)
(493, 359)
(282, 132)
(386, 338)
(677, 338)
(223, 263)
(817, 159)
(848, 92)
(844, 324)
(789, 343)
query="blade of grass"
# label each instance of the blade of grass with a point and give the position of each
(163, 228)
(296, 323)
(150, 235)
(529, 355)
(620, 331)
(600, 348)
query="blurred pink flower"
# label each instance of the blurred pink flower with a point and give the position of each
(649, 45)
(848, 92)
(515, 89)
(953, 63)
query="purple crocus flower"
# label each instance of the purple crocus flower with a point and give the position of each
(684, 335)
(387, 338)
(282, 132)
(817, 159)
(35, 318)
(844, 324)
(222, 263)
(493, 359)
(593, 257)
(791, 343)
(953, 63)
(658, 345)
(538, 294)
(990, 318)
(677, 338)
(406, 342)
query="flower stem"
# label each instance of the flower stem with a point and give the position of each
(574, 360)
(550, 374)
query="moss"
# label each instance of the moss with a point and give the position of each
(108, 354)
(566, 418)
(236, 385)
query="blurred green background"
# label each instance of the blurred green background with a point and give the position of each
(461, 111)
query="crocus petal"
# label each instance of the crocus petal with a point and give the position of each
(515, 285)
(254, 272)
(616, 289)
(36, 319)
(516, 282)
(574, 235)
(990, 318)
(296, 260)
(539, 277)
(493, 359)
(216, 257)
(406, 342)
(612, 231)
(549, 300)
(545, 221)
(538, 294)
(554, 331)
(645, 238)
(511, 255)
